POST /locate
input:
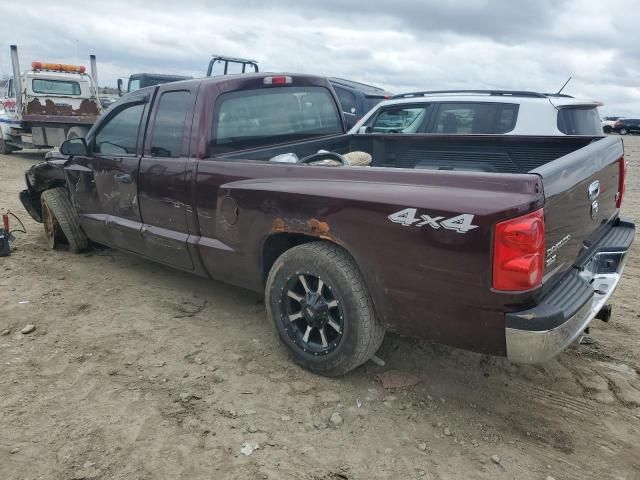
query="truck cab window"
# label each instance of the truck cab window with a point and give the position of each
(134, 85)
(55, 87)
(119, 135)
(254, 118)
(168, 129)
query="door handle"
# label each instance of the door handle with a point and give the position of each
(123, 178)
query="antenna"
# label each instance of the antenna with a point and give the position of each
(565, 84)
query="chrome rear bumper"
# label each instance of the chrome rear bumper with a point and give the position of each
(540, 333)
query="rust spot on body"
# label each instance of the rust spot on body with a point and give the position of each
(317, 227)
(278, 225)
(87, 107)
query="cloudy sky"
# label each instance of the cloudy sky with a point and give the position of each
(402, 45)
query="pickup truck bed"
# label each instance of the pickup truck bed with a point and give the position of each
(502, 245)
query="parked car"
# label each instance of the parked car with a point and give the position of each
(485, 112)
(106, 102)
(627, 125)
(356, 99)
(608, 123)
(501, 244)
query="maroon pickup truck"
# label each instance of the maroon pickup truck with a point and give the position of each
(507, 245)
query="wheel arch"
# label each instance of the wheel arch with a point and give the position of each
(278, 243)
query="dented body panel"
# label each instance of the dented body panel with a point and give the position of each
(422, 237)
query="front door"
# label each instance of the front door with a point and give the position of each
(105, 183)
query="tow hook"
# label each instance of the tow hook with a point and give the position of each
(604, 314)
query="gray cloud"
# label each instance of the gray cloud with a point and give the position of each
(401, 45)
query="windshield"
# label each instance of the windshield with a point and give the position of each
(134, 85)
(252, 118)
(55, 87)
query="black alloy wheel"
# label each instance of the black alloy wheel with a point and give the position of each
(311, 314)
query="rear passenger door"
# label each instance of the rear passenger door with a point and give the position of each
(165, 192)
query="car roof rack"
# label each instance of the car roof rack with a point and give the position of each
(245, 62)
(495, 93)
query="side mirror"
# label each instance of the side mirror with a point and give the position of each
(74, 146)
(120, 87)
(364, 129)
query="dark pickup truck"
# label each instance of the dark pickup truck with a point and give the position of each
(507, 245)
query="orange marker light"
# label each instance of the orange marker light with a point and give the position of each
(58, 67)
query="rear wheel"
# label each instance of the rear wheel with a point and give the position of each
(623, 131)
(607, 129)
(317, 299)
(61, 222)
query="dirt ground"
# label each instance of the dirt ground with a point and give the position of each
(137, 371)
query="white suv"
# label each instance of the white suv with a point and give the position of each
(483, 112)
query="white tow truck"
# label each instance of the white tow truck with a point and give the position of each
(47, 104)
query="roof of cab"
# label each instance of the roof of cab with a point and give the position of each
(247, 77)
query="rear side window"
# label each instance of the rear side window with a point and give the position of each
(579, 121)
(254, 118)
(347, 100)
(119, 135)
(475, 118)
(168, 129)
(407, 119)
(55, 87)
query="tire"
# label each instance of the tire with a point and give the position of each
(61, 223)
(5, 149)
(607, 129)
(352, 333)
(623, 131)
(77, 132)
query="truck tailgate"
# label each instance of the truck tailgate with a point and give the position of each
(581, 195)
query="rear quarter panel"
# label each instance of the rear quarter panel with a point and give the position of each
(427, 282)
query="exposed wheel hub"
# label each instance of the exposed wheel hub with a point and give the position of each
(315, 310)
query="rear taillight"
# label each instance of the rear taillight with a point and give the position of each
(518, 252)
(617, 124)
(622, 179)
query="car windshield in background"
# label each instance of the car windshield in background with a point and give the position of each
(55, 87)
(579, 121)
(252, 118)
